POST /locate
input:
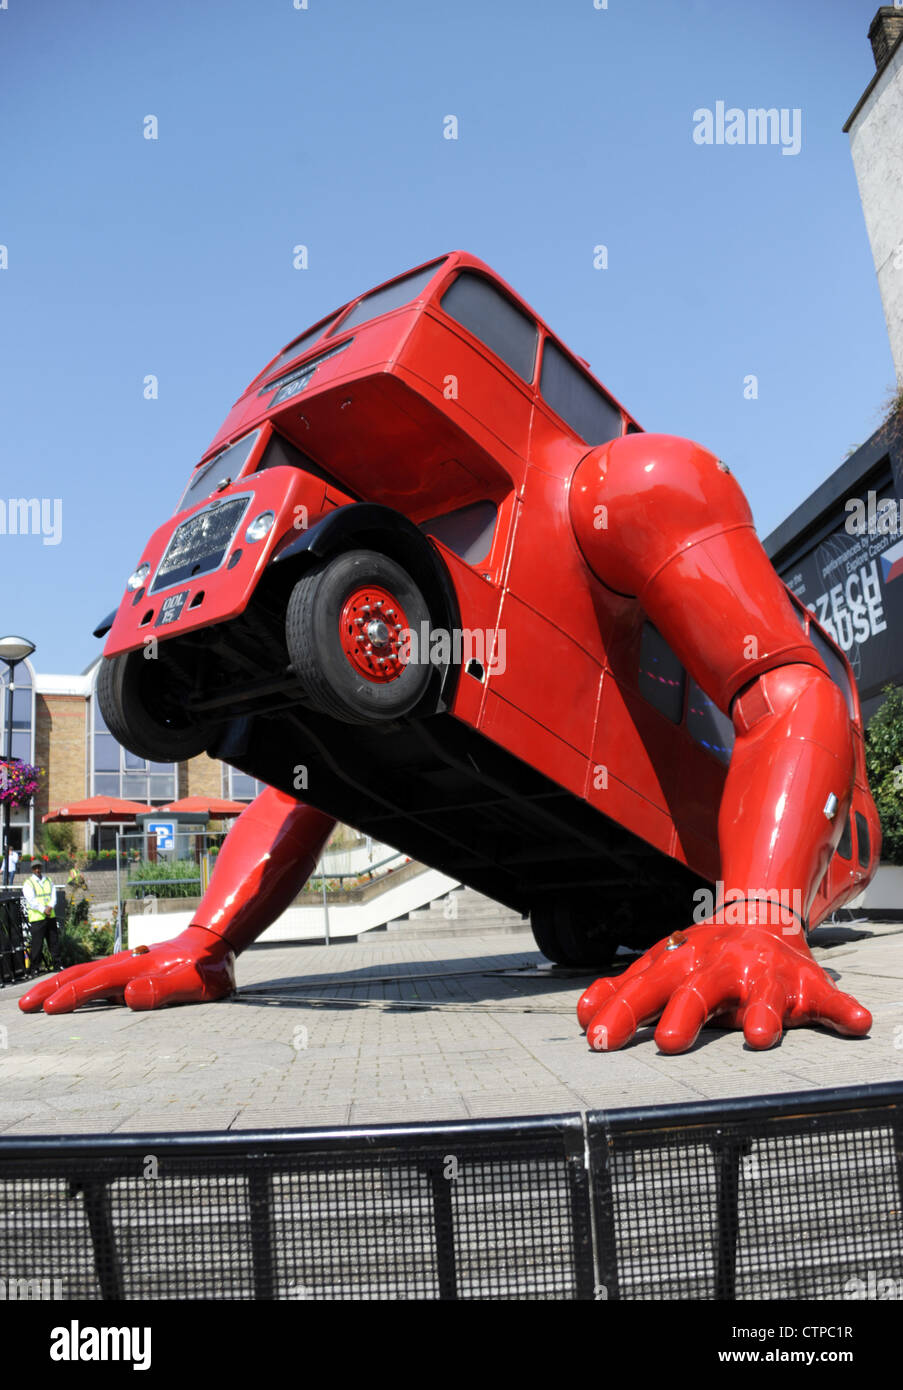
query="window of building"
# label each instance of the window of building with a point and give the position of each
(22, 712)
(114, 771)
(491, 316)
(21, 818)
(238, 786)
(578, 400)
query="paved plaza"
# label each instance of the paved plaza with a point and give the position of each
(383, 1031)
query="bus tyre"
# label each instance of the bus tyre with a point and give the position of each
(572, 935)
(352, 630)
(136, 700)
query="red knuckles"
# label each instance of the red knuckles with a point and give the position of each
(743, 976)
(195, 967)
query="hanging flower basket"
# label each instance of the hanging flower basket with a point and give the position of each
(18, 782)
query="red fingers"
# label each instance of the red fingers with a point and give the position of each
(187, 982)
(197, 966)
(592, 999)
(744, 977)
(31, 1001)
(105, 979)
(839, 1011)
(689, 1008)
(763, 1017)
(636, 1002)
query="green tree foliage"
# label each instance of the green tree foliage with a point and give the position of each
(57, 840)
(884, 764)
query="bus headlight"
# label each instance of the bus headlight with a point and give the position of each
(137, 579)
(260, 527)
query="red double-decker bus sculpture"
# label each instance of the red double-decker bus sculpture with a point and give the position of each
(433, 580)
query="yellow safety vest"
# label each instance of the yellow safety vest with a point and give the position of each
(43, 892)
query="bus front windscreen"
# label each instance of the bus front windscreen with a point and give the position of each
(228, 463)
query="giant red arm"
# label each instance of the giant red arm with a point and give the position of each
(678, 536)
(265, 860)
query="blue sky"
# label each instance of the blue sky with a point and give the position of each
(280, 126)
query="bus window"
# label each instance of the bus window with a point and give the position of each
(661, 677)
(845, 843)
(490, 316)
(391, 296)
(301, 344)
(708, 725)
(227, 463)
(863, 844)
(580, 403)
(467, 531)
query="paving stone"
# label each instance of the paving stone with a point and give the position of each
(318, 1037)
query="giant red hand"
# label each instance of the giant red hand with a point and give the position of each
(195, 967)
(746, 976)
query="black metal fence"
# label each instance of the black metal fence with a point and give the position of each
(15, 937)
(12, 935)
(793, 1198)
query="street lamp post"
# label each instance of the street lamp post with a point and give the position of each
(12, 651)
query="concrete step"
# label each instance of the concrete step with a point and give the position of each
(473, 914)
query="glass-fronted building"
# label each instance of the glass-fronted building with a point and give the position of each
(22, 719)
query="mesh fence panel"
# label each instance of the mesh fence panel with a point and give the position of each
(453, 1217)
(736, 1200)
(756, 1206)
(12, 934)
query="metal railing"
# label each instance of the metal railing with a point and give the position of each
(15, 935)
(797, 1197)
(12, 935)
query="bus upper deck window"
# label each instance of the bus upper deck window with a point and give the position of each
(391, 296)
(301, 344)
(579, 402)
(491, 317)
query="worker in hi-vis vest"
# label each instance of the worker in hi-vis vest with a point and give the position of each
(40, 905)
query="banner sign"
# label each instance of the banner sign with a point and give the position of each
(853, 583)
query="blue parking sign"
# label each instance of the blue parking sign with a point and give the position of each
(165, 832)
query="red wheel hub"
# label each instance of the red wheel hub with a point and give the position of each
(372, 629)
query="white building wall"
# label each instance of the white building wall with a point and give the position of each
(876, 144)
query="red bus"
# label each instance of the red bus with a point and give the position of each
(371, 597)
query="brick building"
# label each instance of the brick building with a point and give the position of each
(58, 725)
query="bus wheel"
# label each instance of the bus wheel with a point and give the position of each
(352, 630)
(145, 714)
(571, 934)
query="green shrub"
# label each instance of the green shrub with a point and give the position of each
(77, 912)
(884, 764)
(82, 942)
(147, 878)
